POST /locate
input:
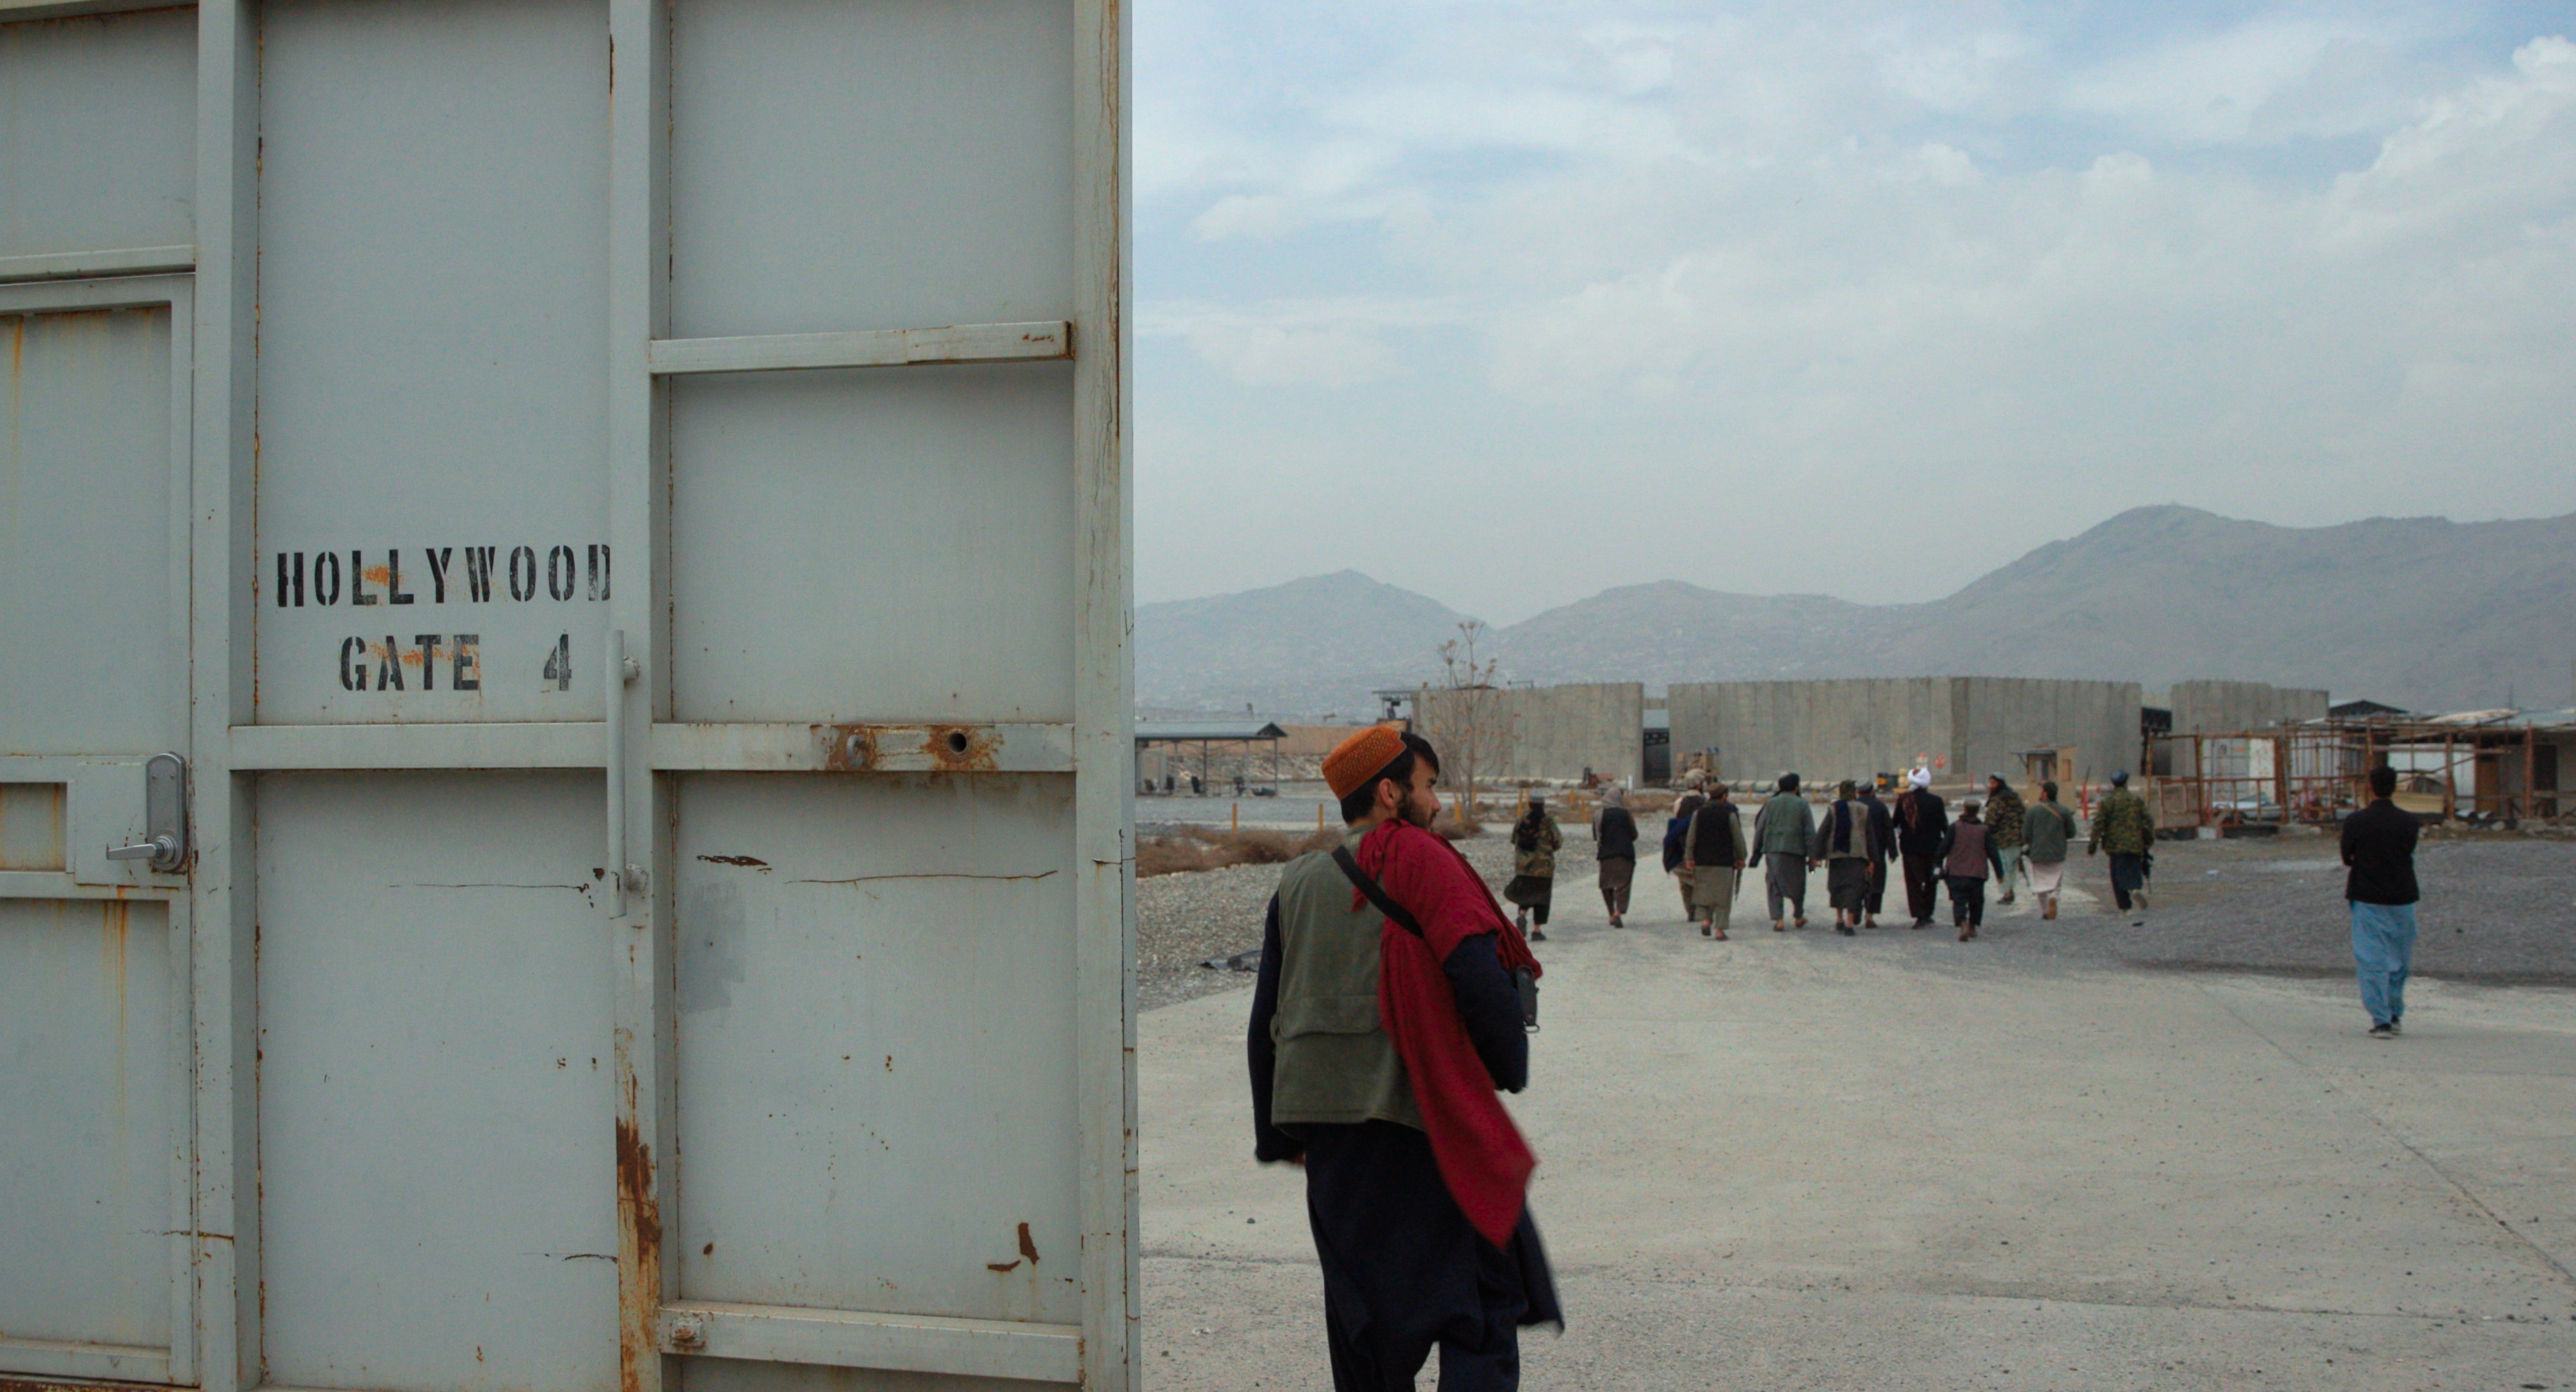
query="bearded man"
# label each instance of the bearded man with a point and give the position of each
(1386, 1017)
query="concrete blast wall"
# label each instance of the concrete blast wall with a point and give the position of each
(2232, 707)
(1821, 729)
(1965, 727)
(1553, 732)
(1998, 717)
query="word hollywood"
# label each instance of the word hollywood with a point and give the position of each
(463, 575)
(564, 575)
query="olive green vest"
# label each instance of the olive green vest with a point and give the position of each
(1335, 1062)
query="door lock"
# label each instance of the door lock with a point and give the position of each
(165, 816)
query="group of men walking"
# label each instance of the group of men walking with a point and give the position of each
(1857, 840)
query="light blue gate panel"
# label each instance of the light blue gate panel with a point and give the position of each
(870, 165)
(433, 360)
(33, 825)
(436, 1117)
(876, 1071)
(98, 123)
(85, 660)
(729, 1375)
(876, 544)
(85, 1121)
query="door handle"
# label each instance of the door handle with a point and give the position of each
(624, 877)
(165, 816)
(158, 850)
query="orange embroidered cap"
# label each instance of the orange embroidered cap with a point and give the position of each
(1356, 760)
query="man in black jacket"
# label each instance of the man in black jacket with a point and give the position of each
(1883, 828)
(1921, 820)
(2379, 845)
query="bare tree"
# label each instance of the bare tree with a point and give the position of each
(1469, 716)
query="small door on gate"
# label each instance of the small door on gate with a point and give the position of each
(93, 1001)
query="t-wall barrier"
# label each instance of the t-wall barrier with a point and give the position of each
(564, 699)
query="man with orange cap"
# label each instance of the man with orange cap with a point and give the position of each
(1388, 1014)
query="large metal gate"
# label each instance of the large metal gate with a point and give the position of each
(564, 695)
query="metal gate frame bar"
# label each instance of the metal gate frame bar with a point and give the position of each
(225, 888)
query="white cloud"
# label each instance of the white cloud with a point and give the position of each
(2253, 81)
(1331, 343)
(1331, 355)
(1639, 57)
(1936, 163)
(2496, 159)
(2117, 174)
(1261, 215)
(1950, 74)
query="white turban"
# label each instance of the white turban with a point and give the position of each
(1920, 777)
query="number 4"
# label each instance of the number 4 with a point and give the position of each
(559, 664)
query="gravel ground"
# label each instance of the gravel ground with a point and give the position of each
(1183, 920)
(2497, 910)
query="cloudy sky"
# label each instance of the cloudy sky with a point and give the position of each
(1511, 302)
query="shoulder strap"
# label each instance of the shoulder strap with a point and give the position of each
(1374, 892)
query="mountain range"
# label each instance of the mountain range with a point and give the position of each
(2420, 612)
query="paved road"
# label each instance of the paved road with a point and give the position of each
(1900, 1162)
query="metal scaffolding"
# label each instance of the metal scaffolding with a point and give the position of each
(2482, 767)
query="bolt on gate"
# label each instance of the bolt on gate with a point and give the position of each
(565, 786)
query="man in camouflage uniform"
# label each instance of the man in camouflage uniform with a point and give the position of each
(2004, 832)
(2125, 829)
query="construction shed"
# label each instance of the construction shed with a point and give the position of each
(1555, 733)
(1962, 727)
(2224, 708)
(1169, 753)
(2485, 767)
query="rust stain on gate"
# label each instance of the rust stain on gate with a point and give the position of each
(961, 748)
(639, 1237)
(39, 1384)
(943, 748)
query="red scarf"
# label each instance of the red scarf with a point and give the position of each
(1481, 1155)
